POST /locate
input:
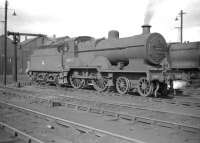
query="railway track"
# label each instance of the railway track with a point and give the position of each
(92, 107)
(170, 100)
(191, 102)
(17, 135)
(79, 127)
(119, 111)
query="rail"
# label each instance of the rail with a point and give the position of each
(76, 124)
(18, 132)
(122, 115)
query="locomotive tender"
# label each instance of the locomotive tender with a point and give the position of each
(128, 64)
(184, 60)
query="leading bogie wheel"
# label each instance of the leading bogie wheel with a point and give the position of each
(122, 85)
(145, 87)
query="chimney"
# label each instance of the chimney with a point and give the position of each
(54, 36)
(146, 29)
(113, 34)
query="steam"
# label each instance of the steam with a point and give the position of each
(150, 10)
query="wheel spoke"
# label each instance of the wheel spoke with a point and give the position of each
(144, 87)
(100, 84)
(76, 83)
(122, 85)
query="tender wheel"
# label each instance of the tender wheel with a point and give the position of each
(33, 78)
(145, 87)
(77, 83)
(122, 85)
(41, 79)
(100, 84)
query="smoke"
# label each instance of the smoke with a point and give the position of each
(150, 10)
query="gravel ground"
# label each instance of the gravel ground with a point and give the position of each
(144, 132)
(174, 105)
(6, 137)
(9, 78)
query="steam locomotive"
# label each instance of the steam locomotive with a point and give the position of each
(131, 64)
(184, 60)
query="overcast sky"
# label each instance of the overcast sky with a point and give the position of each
(96, 17)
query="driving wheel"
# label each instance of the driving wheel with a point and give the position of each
(145, 87)
(122, 85)
(100, 84)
